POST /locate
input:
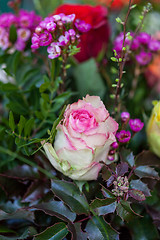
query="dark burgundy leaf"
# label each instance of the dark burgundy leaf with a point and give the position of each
(147, 158)
(139, 185)
(136, 194)
(110, 181)
(121, 169)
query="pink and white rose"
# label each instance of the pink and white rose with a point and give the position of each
(83, 139)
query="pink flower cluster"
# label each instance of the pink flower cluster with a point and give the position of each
(143, 46)
(25, 23)
(58, 32)
(135, 125)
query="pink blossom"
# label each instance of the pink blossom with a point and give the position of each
(45, 38)
(136, 125)
(64, 39)
(123, 136)
(54, 50)
(35, 41)
(23, 34)
(82, 26)
(83, 139)
(144, 58)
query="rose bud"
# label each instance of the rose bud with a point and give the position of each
(83, 139)
(153, 129)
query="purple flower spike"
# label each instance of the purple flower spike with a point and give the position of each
(154, 45)
(143, 58)
(82, 26)
(136, 125)
(123, 136)
(125, 116)
(54, 51)
(144, 38)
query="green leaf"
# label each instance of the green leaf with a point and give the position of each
(11, 122)
(107, 193)
(88, 79)
(12, 33)
(21, 124)
(8, 87)
(98, 229)
(44, 87)
(80, 234)
(28, 127)
(102, 202)
(125, 211)
(4, 229)
(21, 236)
(146, 172)
(147, 158)
(55, 232)
(70, 194)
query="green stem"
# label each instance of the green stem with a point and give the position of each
(27, 161)
(52, 72)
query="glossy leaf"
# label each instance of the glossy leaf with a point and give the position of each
(98, 228)
(125, 211)
(145, 171)
(147, 158)
(107, 193)
(80, 234)
(70, 194)
(55, 232)
(107, 209)
(102, 202)
(139, 185)
(121, 169)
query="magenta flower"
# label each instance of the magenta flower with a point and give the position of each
(136, 125)
(144, 58)
(154, 45)
(20, 45)
(4, 41)
(23, 34)
(71, 32)
(144, 38)
(114, 145)
(123, 136)
(82, 26)
(35, 41)
(125, 116)
(45, 38)
(51, 26)
(135, 44)
(67, 18)
(54, 51)
(64, 39)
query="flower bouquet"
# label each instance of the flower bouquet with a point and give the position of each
(80, 121)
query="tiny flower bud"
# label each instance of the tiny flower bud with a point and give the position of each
(114, 145)
(110, 157)
(125, 116)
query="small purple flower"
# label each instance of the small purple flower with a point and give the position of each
(143, 58)
(135, 44)
(125, 116)
(154, 45)
(35, 41)
(123, 136)
(45, 38)
(82, 26)
(64, 39)
(56, 18)
(23, 34)
(67, 18)
(144, 38)
(114, 145)
(54, 51)
(136, 125)
(4, 41)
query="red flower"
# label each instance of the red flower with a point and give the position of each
(96, 39)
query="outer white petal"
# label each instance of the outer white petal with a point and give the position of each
(101, 153)
(90, 173)
(61, 140)
(78, 159)
(51, 155)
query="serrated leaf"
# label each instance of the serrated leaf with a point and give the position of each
(11, 122)
(107, 209)
(146, 172)
(98, 229)
(121, 169)
(139, 185)
(136, 194)
(21, 124)
(80, 234)
(127, 156)
(107, 193)
(70, 194)
(28, 127)
(124, 210)
(55, 232)
(102, 202)
(56, 208)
